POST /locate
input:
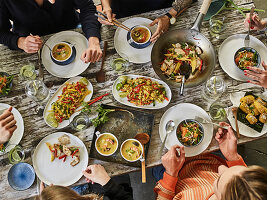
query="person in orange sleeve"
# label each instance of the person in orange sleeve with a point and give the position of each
(209, 177)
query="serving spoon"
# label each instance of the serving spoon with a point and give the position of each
(169, 128)
(185, 70)
(143, 138)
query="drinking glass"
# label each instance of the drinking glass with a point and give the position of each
(80, 122)
(217, 26)
(36, 90)
(16, 154)
(27, 72)
(120, 64)
(213, 88)
(217, 111)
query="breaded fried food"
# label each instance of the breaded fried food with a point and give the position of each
(244, 107)
(263, 118)
(249, 99)
(251, 118)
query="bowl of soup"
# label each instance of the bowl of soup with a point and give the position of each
(190, 132)
(63, 53)
(132, 150)
(106, 144)
(139, 37)
(247, 57)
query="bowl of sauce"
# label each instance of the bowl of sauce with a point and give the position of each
(63, 53)
(139, 37)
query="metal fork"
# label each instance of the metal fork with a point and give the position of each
(250, 18)
(41, 71)
(204, 121)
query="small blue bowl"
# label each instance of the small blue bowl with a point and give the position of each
(68, 60)
(21, 176)
(136, 44)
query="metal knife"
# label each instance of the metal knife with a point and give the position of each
(41, 71)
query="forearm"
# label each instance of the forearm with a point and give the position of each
(165, 188)
(9, 39)
(115, 191)
(179, 5)
(106, 4)
(90, 24)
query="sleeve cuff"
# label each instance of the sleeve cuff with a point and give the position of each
(240, 161)
(168, 182)
(14, 42)
(110, 184)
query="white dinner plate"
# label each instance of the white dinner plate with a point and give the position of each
(124, 100)
(58, 93)
(235, 99)
(18, 133)
(125, 50)
(58, 172)
(77, 66)
(178, 113)
(227, 52)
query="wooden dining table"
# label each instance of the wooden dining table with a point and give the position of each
(36, 128)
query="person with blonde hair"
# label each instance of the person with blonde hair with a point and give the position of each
(93, 174)
(209, 177)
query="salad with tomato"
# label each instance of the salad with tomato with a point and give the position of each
(5, 83)
(246, 58)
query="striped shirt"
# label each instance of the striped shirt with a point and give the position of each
(195, 179)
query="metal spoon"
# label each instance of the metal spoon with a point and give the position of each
(185, 70)
(100, 75)
(169, 128)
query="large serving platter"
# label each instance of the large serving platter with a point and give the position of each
(58, 172)
(58, 93)
(124, 100)
(178, 113)
(18, 133)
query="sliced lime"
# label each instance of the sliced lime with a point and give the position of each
(80, 126)
(118, 66)
(220, 114)
(27, 73)
(83, 81)
(51, 120)
(15, 156)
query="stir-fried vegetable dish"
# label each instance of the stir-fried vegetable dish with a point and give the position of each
(141, 91)
(176, 56)
(189, 133)
(246, 58)
(5, 82)
(71, 98)
(62, 150)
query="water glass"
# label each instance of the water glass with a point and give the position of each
(16, 154)
(36, 90)
(213, 89)
(217, 112)
(120, 64)
(27, 72)
(80, 122)
(217, 26)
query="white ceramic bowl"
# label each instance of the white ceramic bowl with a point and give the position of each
(141, 156)
(98, 135)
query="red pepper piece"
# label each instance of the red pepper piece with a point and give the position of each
(201, 64)
(63, 156)
(74, 152)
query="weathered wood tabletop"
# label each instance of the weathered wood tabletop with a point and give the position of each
(36, 129)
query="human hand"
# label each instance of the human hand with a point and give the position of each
(172, 162)
(93, 53)
(258, 76)
(256, 23)
(42, 186)
(7, 125)
(110, 16)
(227, 142)
(96, 174)
(30, 44)
(163, 25)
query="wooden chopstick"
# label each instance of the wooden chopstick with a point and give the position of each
(114, 21)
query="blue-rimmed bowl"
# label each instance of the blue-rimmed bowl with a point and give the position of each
(69, 59)
(21, 176)
(178, 132)
(135, 44)
(249, 49)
